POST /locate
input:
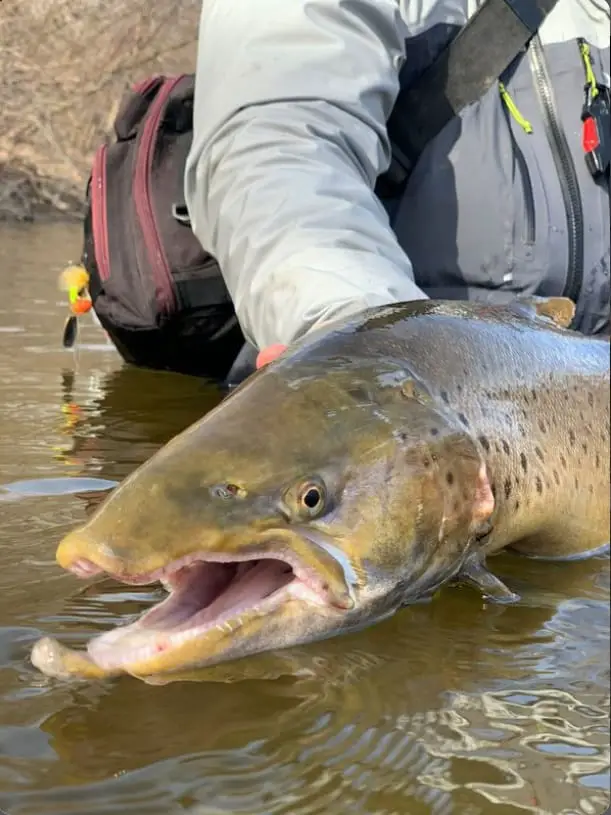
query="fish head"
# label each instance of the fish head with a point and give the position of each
(310, 502)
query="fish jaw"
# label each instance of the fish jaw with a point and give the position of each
(220, 606)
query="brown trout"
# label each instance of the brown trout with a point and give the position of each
(369, 466)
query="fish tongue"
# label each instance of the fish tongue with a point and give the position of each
(193, 588)
(249, 586)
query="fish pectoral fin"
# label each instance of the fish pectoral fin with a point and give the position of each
(474, 573)
(559, 311)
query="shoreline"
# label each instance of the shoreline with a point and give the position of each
(28, 197)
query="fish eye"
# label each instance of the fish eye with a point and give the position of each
(312, 498)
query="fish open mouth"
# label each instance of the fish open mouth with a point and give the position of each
(206, 592)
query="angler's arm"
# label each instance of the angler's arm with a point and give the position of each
(291, 103)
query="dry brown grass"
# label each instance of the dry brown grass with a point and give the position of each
(63, 69)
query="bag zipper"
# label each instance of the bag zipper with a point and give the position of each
(565, 168)
(164, 290)
(145, 85)
(98, 213)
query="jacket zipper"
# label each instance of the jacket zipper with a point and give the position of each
(99, 215)
(565, 167)
(164, 291)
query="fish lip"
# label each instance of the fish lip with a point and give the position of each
(272, 544)
(306, 586)
(86, 568)
(229, 624)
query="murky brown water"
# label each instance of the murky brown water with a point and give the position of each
(452, 708)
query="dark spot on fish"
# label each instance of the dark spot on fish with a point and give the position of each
(516, 506)
(581, 416)
(576, 388)
(426, 461)
(459, 387)
(556, 476)
(572, 437)
(563, 461)
(463, 419)
(402, 436)
(526, 399)
(507, 487)
(533, 393)
(524, 414)
(539, 453)
(542, 426)
(524, 462)
(359, 393)
(450, 478)
(506, 394)
(584, 447)
(539, 485)
(506, 447)
(485, 443)
(566, 397)
(434, 431)
(597, 461)
(590, 399)
(576, 483)
(445, 397)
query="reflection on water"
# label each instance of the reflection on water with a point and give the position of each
(450, 708)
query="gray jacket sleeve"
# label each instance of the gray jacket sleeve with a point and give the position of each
(291, 102)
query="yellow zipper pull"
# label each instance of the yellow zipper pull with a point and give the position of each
(513, 110)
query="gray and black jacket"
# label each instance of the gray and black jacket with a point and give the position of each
(292, 100)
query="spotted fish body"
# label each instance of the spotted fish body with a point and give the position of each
(366, 468)
(536, 398)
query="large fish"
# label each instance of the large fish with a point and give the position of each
(361, 471)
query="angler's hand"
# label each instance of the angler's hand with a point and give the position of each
(269, 354)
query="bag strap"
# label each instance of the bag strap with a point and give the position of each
(462, 73)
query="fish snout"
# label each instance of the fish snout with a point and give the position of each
(86, 557)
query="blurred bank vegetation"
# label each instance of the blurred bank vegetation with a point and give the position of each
(64, 67)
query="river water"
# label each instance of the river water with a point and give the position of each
(449, 708)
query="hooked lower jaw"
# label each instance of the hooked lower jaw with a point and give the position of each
(211, 597)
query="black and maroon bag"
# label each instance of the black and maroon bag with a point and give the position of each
(157, 293)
